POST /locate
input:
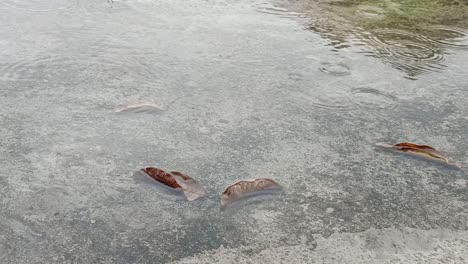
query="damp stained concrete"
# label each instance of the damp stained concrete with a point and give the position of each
(243, 90)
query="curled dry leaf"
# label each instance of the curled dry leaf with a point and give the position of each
(177, 181)
(423, 151)
(247, 188)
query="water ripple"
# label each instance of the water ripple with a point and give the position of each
(406, 51)
(336, 102)
(74, 67)
(336, 69)
(354, 99)
(370, 98)
(450, 36)
(371, 12)
(279, 11)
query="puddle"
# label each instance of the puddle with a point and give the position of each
(279, 11)
(40, 5)
(259, 96)
(295, 76)
(408, 35)
(450, 36)
(143, 106)
(335, 69)
(80, 67)
(371, 12)
(139, 109)
(354, 99)
(410, 52)
(405, 45)
(333, 102)
(369, 98)
(129, 4)
(252, 201)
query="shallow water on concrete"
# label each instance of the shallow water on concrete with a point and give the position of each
(92, 91)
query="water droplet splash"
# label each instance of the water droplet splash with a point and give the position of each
(409, 52)
(336, 69)
(335, 102)
(355, 99)
(369, 98)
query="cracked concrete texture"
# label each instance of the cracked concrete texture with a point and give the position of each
(241, 94)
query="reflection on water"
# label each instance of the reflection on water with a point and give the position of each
(449, 36)
(92, 90)
(411, 36)
(412, 53)
(371, 12)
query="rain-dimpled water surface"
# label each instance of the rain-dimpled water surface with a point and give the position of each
(92, 91)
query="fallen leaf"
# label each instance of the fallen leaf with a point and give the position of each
(422, 151)
(247, 188)
(177, 181)
(192, 189)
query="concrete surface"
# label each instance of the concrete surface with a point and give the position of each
(242, 95)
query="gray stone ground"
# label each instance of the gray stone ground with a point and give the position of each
(241, 95)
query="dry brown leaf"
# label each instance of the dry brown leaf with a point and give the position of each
(422, 151)
(192, 189)
(177, 181)
(246, 188)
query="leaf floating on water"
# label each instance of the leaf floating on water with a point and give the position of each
(192, 189)
(177, 181)
(422, 151)
(162, 177)
(248, 188)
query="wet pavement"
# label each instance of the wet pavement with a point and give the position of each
(232, 90)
